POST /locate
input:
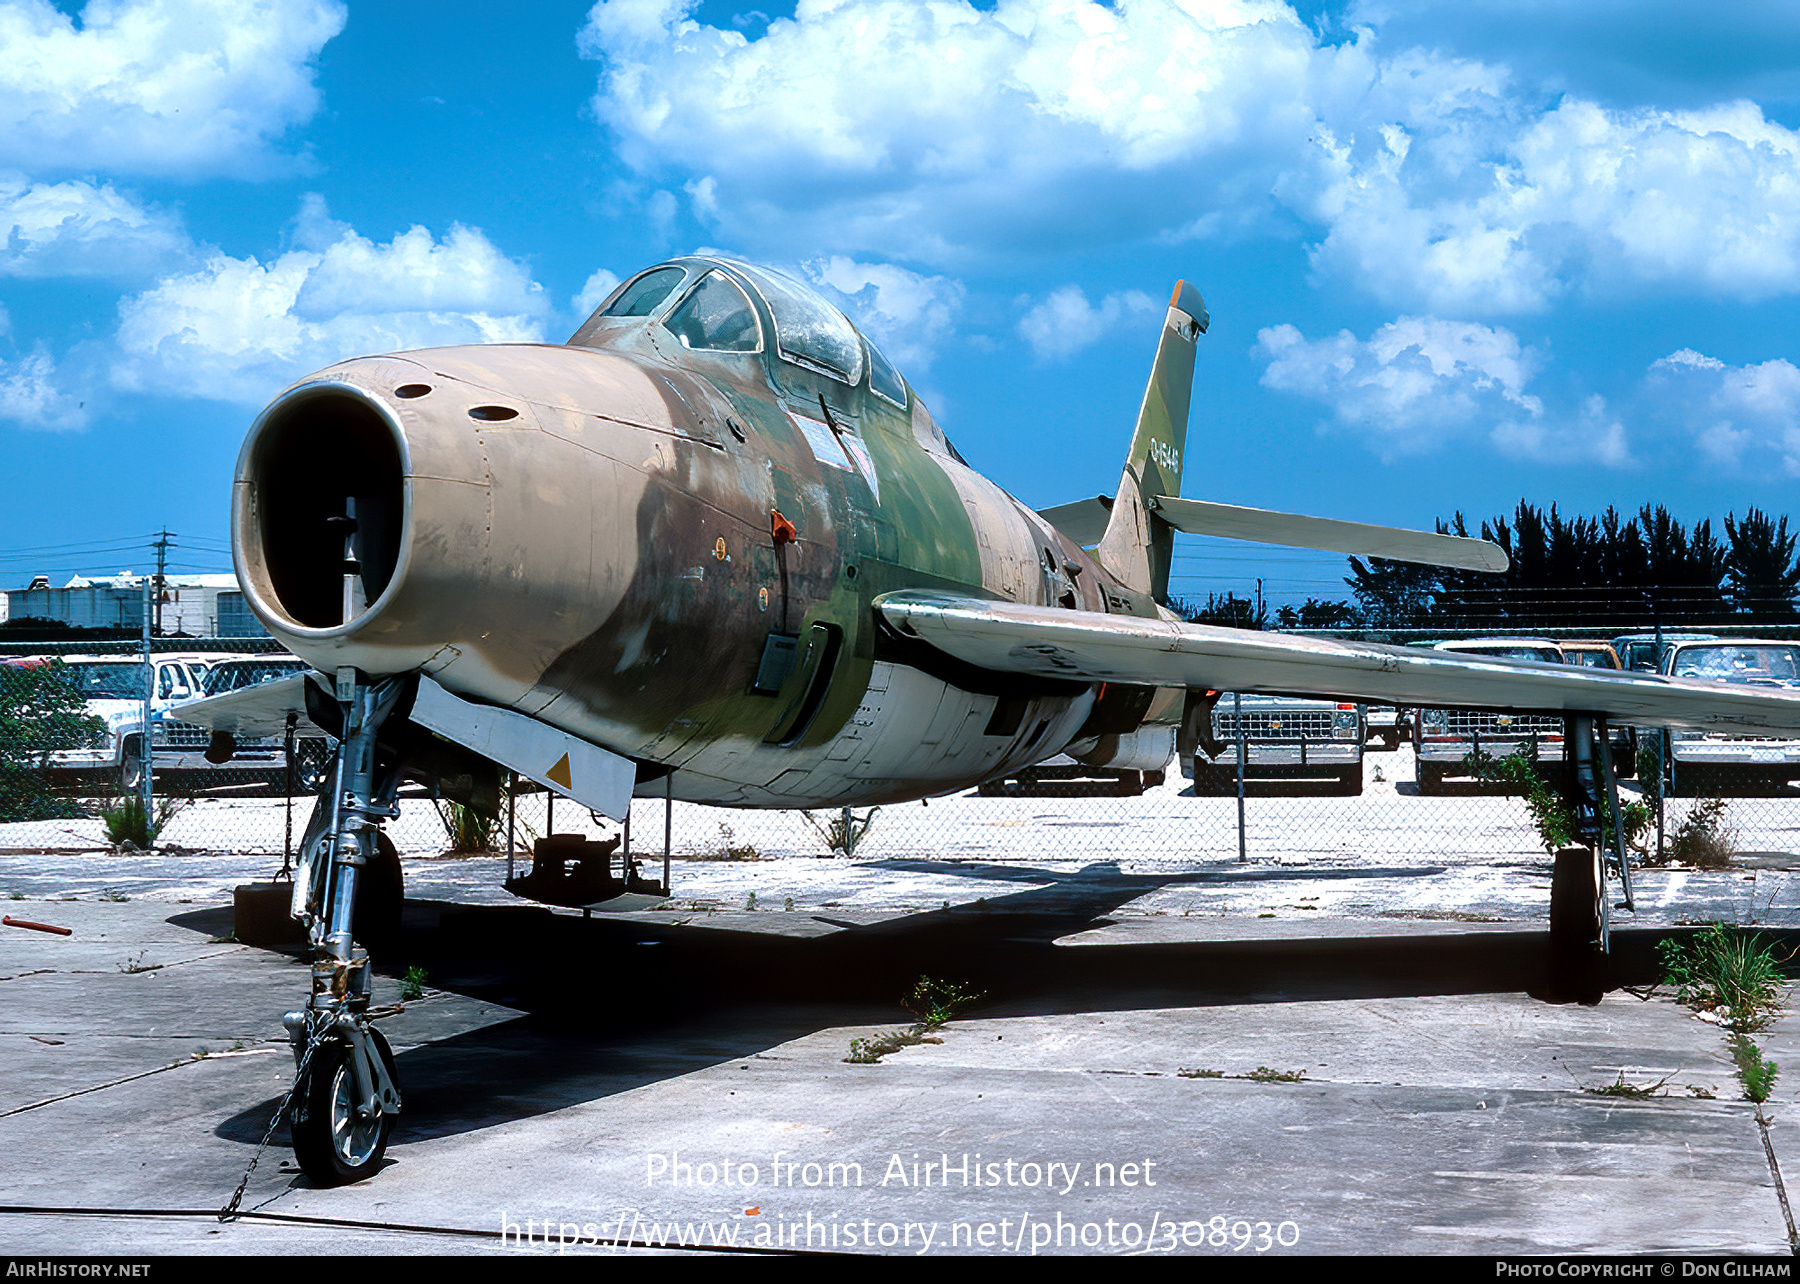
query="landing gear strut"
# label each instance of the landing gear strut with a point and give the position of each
(345, 1096)
(1580, 914)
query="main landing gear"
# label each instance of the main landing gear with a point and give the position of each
(1580, 917)
(345, 1095)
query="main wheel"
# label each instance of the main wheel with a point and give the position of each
(1577, 962)
(333, 1144)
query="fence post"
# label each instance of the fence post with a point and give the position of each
(1237, 709)
(147, 753)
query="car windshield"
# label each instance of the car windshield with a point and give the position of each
(1508, 652)
(1590, 659)
(236, 675)
(119, 681)
(1766, 664)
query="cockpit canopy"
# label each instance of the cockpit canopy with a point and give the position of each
(706, 305)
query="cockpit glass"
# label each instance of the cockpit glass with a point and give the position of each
(642, 295)
(884, 379)
(716, 317)
(808, 331)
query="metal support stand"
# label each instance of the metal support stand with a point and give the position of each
(1612, 802)
(512, 816)
(1237, 707)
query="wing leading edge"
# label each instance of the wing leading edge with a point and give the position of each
(1087, 646)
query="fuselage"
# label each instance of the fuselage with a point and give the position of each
(665, 549)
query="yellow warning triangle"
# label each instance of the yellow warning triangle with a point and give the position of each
(559, 774)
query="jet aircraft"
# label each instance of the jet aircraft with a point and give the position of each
(715, 548)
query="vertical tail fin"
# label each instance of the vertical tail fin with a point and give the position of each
(1137, 549)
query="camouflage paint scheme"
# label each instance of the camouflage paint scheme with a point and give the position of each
(591, 536)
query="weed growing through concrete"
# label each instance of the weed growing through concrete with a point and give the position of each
(1732, 975)
(750, 902)
(1265, 1074)
(1187, 1073)
(113, 894)
(18, 896)
(1755, 1074)
(844, 831)
(1702, 838)
(1629, 1091)
(1549, 810)
(129, 826)
(412, 984)
(730, 848)
(788, 904)
(135, 964)
(938, 1002)
(1704, 1094)
(935, 1003)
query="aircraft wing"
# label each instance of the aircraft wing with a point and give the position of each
(250, 712)
(1086, 646)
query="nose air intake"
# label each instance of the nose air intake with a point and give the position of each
(327, 505)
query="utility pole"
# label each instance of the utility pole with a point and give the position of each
(162, 558)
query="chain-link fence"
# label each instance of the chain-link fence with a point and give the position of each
(71, 754)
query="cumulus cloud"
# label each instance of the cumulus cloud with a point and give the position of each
(31, 395)
(79, 229)
(892, 124)
(239, 329)
(597, 287)
(1065, 323)
(1748, 416)
(908, 315)
(943, 131)
(156, 86)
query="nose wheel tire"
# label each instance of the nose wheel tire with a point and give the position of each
(333, 1143)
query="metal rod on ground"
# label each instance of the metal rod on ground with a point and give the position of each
(145, 752)
(512, 812)
(668, 824)
(1237, 709)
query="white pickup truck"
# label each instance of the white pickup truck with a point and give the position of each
(1714, 763)
(113, 686)
(1286, 739)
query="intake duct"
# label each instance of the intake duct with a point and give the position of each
(327, 499)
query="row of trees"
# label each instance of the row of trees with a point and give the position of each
(1610, 573)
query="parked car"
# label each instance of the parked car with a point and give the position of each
(1446, 738)
(1643, 652)
(1386, 724)
(114, 688)
(263, 758)
(1713, 763)
(1591, 654)
(1286, 739)
(1063, 777)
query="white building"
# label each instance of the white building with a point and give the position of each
(190, 603)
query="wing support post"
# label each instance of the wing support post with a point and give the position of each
(1580, 910)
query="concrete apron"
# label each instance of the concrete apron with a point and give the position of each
(660, 1082)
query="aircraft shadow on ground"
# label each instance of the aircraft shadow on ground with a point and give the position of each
(611, 1004)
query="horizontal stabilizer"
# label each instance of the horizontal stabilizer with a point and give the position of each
(1088, 646)
(1197, 517)
(1084, 521)
(594, 777)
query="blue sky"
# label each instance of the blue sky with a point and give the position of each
(1456, 255)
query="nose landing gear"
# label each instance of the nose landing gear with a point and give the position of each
(345, 1097)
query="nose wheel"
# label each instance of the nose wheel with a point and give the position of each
(336, 1140)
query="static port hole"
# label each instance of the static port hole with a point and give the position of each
(411, 390)
(493, 414)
